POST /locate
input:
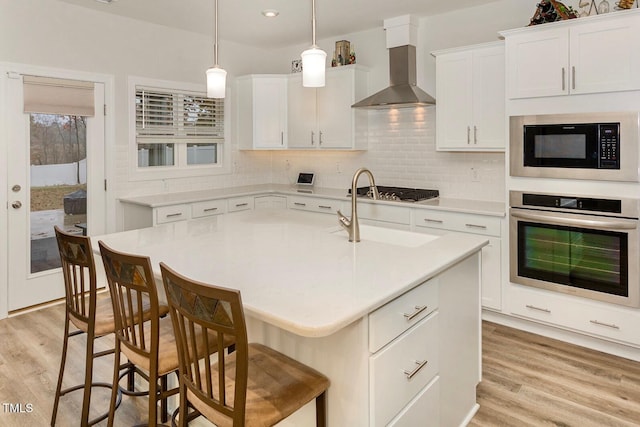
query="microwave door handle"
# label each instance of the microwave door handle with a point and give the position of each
(608, 224)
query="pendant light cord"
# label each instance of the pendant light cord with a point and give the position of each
(313, 23)
(215, 40)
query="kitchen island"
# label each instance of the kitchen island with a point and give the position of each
(393, 321)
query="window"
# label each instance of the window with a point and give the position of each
(177, 132)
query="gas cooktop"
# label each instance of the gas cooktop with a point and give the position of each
(399, 193)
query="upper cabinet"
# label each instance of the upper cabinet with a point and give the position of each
(322, 118)
(262, 111)
(470, 108)
(579, 56)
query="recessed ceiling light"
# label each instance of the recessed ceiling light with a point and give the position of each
(105, 1)
(270, 13)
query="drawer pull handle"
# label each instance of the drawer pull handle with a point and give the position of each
(417, 369)
(608, 325)
(299, 204)
(435, 221)
(211, 209)
(533, 307)
(174, 215)
(481, 227)
(324, 207)
(418, 310)
(239, 205)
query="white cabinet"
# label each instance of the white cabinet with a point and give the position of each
(314, 204)
(601, 320)
(322, 117)
(403, 341)
(262, 111)
(587, 55)
(471, 103)
(208, 208)
(439, 222)
(172, 213)
(272, 201)
(236, 204)
(375, 213)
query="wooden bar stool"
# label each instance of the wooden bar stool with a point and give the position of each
(150, 345)
(251, 386)
(90, 314)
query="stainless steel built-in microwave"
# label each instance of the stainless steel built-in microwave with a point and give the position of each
(595, 146)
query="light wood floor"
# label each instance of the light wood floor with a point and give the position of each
(528, 380)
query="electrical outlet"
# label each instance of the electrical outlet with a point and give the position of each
(338, 167)
(475, 175)
(287, 165)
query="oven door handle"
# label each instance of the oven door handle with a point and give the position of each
(600, 223)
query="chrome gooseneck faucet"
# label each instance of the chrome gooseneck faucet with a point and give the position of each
(351, 225)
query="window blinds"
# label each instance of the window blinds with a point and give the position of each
(163, 114)
(48, 95)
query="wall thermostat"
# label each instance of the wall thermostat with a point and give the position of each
(306, 178)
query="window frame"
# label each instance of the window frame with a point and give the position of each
(180, 168)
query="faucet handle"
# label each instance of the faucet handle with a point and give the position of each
(374, 191)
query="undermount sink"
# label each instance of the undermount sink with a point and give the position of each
(369, 233)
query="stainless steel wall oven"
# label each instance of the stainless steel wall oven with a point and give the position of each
(583, 246)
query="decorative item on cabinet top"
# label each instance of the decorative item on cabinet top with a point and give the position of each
(551, 11)
(343, 55)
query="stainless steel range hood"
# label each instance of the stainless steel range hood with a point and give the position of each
(403, 91)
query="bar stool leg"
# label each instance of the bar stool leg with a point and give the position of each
(61, 372)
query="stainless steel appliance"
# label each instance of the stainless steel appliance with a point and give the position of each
(577, 245)
(596, 146)
(402, 194)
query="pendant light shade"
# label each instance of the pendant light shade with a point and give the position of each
(314, 58)
(216, 76)
(216, 82)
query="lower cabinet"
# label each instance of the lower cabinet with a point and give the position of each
(262, 202)
(403, 341)
(314, 204)
(406, 366)
(608, 321)
(439, 222)
(236, 204)
(384, 215)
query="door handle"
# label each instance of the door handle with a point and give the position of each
(16, 205)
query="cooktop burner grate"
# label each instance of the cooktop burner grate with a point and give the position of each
(400, 193)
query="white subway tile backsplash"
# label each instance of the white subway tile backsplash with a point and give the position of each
(401, 151)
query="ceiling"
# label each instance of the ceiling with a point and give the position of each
(241, 21)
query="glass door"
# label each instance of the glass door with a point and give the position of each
(55, 177)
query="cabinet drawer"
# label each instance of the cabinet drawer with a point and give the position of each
(395, 317)
(466, 223)
(172, 213)
(424, 410)
(239, 204)
(401, 370)
(314, 205)
(592, 318)
(380, 212)
(208, 208)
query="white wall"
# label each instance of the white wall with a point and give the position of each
(56, 34)
(66, 37)
(406, 155)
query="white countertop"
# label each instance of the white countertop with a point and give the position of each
(296, 270)
(479, 207)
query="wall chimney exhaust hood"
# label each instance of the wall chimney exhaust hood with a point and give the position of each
(402, 92)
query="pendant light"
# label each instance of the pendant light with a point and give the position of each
(314, 58)
(216, 76)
